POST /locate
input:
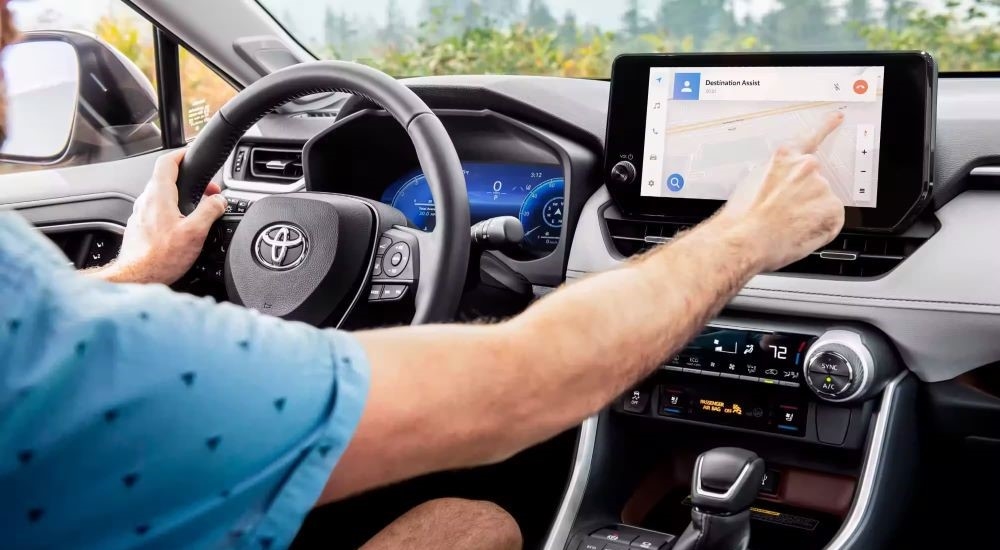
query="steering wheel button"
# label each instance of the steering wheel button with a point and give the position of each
(375, 294)
(393, 292)
(383, 244)
(396, 259)
(377, 268)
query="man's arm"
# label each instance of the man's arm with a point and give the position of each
(160, 244)
(455, 396)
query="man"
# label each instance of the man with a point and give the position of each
(131, 416)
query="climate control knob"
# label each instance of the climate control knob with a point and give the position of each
(848, 364)
(623, 173)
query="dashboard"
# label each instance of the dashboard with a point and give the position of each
(532, 193)
(939, 304)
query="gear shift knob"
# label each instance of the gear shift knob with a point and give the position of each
(726, 480)
(724, 485)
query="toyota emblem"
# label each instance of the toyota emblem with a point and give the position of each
(281, 246)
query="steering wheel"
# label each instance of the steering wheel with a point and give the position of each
(310, 256)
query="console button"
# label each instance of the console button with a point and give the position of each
(591, 545)
(614, 535)
(770, 373)
(615, 546)
(652, 541)
(752, 369)
(241, 206)
(829, 384)
(691, 361)
(829, 362)
(789, 419)
(672, 401)
(731, 367)
(636, 401)
(790, 375)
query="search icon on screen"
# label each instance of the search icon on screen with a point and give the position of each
(675, 182)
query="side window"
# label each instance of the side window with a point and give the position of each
(203, 92)
(56, 118)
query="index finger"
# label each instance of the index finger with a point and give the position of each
(164, 180)
(810, 143)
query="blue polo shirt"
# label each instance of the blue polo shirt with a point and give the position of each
(133, 416)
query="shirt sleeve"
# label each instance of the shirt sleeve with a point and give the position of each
(132, 415)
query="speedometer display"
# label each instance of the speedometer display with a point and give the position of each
(533, 193)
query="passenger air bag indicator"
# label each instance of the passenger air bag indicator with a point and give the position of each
(720, 407)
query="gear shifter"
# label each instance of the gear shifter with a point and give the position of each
(724, 484)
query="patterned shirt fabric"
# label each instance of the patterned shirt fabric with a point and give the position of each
(133, 416)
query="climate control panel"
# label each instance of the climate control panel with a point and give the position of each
(793, 380)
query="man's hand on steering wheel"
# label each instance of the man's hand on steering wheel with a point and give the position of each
(160, 244)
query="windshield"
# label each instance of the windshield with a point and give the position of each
(580, 38)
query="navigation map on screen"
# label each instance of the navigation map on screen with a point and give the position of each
(710, 128)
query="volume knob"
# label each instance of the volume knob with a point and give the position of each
(623, 173)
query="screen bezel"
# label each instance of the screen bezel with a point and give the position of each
(906, 144)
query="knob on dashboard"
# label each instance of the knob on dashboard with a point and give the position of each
(623, 172)
(849, 364)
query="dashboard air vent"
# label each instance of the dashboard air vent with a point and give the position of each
(275, 164)
(847, 256)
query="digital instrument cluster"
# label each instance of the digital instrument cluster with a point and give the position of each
(532, 193)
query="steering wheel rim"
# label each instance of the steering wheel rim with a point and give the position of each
(445, 251)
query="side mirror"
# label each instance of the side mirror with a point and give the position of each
(74, 99)
(43, 83)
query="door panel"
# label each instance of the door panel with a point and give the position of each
(96, 192)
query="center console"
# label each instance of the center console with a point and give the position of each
(821, 403)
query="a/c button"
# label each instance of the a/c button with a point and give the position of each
(829, 384)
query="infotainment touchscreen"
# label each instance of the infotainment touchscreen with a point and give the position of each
(684, 130)
(710, 128)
